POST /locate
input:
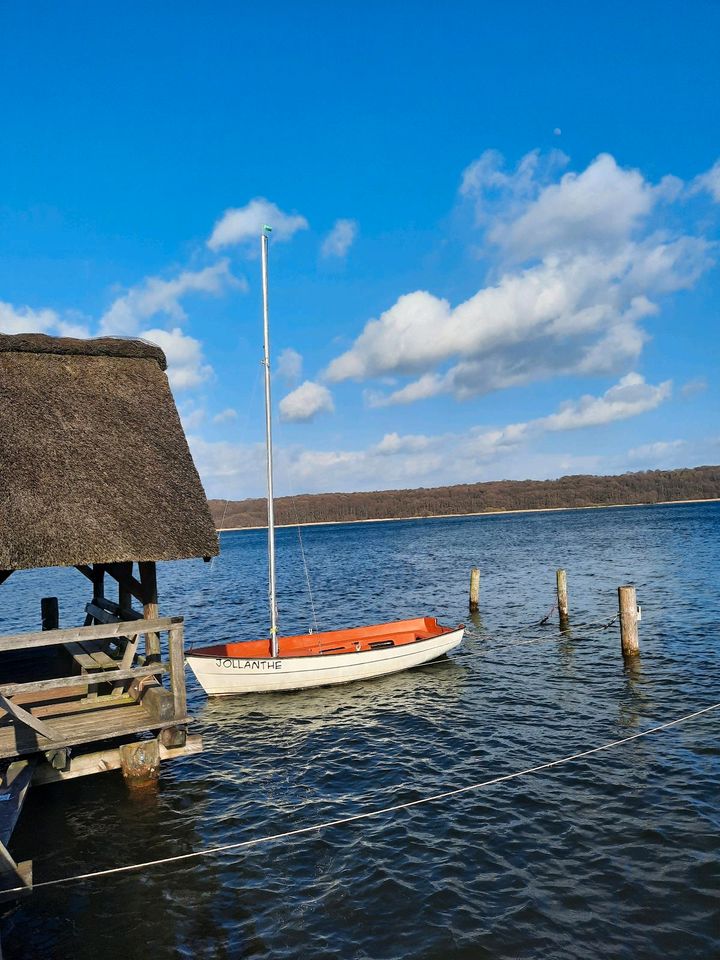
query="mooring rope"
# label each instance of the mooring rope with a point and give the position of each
(547, 616)
(546, 638)
(366, 815)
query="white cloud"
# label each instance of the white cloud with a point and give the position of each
(492, 191)
(129, 315)
(72, 328)
(628, 398)
(186, 364)
(306, 402)
(595, 272)
(243, 224)
(555, 318)
(225, 415)
(26, 320)
(340, 239)
(289, 365)
(598, 207)
(709, 182)
(693, 387)
(413, 460)
(156, 296)
(660, 451)
(192, 417)
(393, 443)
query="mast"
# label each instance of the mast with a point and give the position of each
(268, 448)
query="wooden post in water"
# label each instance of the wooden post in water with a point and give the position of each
(474, 590)
(148, 579)
(50, 611)
(627, 600)
(562, 599)
(140, 762)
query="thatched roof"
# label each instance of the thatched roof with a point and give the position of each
(94, 465)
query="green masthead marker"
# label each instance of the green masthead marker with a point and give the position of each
(266, 227)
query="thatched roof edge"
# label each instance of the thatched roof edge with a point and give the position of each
(72, 346)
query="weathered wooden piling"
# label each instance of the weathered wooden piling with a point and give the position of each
(50, 613)
(627, 600)
(562, 598)
(140, 762)
(474, 590)
(148, 580)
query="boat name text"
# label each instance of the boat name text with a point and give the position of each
(233, 664)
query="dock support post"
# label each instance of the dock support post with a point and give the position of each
(124, 588)
(140, 762)
(177, 669)
(562, 599)
(474, 590)
(627, 601)
(148, 579)
(174, 701)
(98, 582)
(50, 612)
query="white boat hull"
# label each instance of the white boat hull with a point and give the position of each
(227, 676)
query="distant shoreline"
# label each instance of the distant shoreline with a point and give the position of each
(482, 513)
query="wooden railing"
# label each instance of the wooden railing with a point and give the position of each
(130, 629)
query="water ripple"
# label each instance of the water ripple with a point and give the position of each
(613, 856)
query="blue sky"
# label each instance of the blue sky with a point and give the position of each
(495, 226)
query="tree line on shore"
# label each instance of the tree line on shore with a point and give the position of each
(649, 486)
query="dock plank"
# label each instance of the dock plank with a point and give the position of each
(48, 638)
(100, 725)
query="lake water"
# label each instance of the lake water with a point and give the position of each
(613, 856)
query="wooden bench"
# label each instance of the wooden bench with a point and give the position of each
(113, 653)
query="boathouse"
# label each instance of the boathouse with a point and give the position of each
(95, 475)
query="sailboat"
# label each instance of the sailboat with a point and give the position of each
(313, 659)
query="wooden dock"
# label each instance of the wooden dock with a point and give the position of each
(109, 693)
(114, 701)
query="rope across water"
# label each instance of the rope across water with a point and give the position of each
(368, 814)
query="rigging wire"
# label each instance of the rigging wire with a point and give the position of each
(307, 571)
(368, 814)
(303, 557)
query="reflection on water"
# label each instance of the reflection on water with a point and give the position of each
(612, 856)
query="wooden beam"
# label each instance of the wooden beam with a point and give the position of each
(118, 572)
(87, 764)
(177, 669)
(86, 727)
(158, 702)
(124, 585)
(85, 570)
(98, 579)
(107, 676)
(121, 613)
(27, 719)
(49, 638)
(4, 574)
(148, 578)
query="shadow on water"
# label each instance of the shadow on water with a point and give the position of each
(95, 824)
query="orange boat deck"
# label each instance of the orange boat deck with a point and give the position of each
(352, 640)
